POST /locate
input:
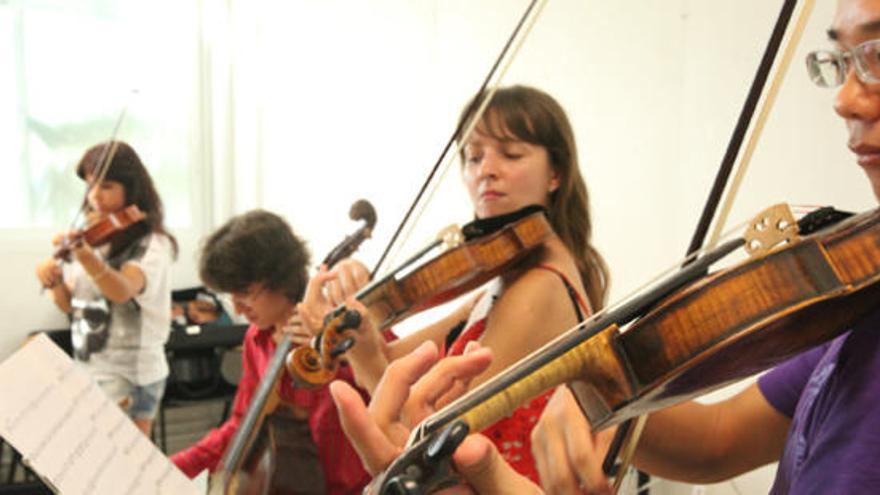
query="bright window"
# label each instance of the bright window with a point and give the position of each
(69, 69)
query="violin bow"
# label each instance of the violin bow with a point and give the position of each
(472, 117)
(626, 433)
(105, 159)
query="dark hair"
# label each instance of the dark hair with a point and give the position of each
(531, 115)
(255, 247)
(127, 169)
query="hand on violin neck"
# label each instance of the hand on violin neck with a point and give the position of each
(69, 237)
(310, 321)
(341, 282)
(481, 465)
(447, 380)
(328, 289)
(568, 454)
(411, 388)
(295, 329)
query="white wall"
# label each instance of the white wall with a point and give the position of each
(339, 100)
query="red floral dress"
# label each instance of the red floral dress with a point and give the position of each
(512, 435)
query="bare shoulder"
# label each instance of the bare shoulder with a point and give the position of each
(537, 295)
(545, 282)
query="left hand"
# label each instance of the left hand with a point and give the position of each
(294, 328)
(568, 454)
(329, 289)
(410, 390)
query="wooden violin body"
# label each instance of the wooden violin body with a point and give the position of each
(274, 462)
(737, 322)
(699, 337)
(101, 231)
(392, 298)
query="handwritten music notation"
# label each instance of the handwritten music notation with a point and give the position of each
(72, 435)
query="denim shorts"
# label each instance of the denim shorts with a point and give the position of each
(143, 400)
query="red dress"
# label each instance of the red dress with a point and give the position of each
(342, 468)
(512, 435)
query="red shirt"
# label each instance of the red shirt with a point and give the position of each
(342, 467)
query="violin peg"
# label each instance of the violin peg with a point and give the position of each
(445, 444)
(351, 319)
(401, 485)
(342, 347)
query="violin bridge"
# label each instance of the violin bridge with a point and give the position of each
(451, 236)
(773, 226)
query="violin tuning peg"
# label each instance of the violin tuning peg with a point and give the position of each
(400, 485)
(342, 347)
(445, 444)
(351, 319)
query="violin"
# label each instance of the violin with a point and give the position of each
(266, 436)
(101, 231)
(690, 335)
(482, 250)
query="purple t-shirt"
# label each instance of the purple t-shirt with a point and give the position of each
(832, 394)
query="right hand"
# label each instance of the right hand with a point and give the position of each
(568, 454)
(49, 273)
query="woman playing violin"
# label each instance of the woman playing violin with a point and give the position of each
(522, 152)
(258, 259)
(118, 295)
(817, 414)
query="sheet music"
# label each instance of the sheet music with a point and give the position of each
(72, 434)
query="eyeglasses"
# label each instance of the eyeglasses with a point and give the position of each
(249, 295)
(829, 68)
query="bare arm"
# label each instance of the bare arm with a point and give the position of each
(118, 286)
(51, 277)
(690, 442)
(533, 310)
(709, 443)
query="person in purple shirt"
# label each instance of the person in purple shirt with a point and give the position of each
(818, 414)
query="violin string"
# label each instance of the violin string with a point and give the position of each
(431, 423)
(761, 120)
(475, 119)
(103, 166)
(104, 159)
(656, 278)
(495, 74)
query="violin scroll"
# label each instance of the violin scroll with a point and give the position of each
(360, 210)
(316, 364)
(490, 247)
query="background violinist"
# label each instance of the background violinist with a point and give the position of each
(117, 296)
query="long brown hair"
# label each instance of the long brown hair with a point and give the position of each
(127, 169)
(531, 115)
